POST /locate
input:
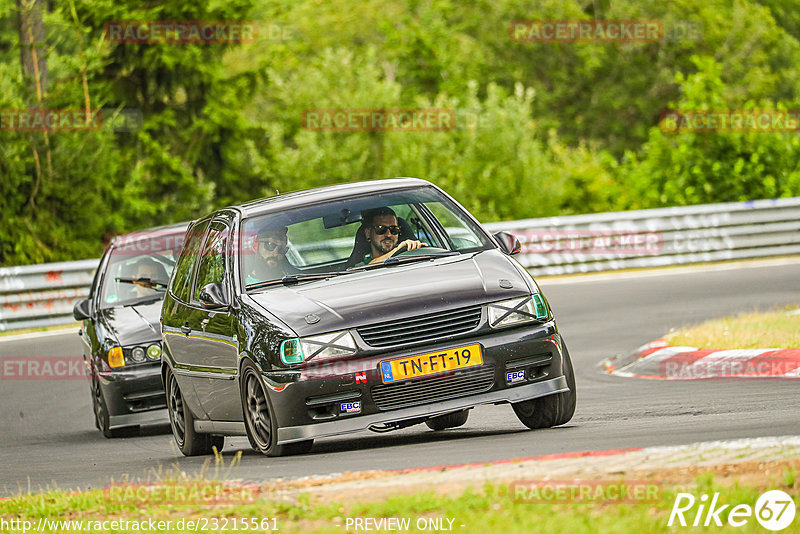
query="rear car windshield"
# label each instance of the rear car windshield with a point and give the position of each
(151, 257)
(325, 237)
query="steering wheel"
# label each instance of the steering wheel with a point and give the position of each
(419, 251)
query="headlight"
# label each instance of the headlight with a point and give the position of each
(332, 345)
(154, 352)
(137, 354)
(519, 310)
(115, 357)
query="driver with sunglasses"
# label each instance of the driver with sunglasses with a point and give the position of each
(383, 232)
(271, 262)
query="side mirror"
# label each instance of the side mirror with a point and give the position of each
(81, 310)
(213, 296)
(508, 243)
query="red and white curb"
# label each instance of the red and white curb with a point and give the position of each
(660, 360)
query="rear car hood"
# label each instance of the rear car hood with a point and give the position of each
(132, 325)
(395, 292)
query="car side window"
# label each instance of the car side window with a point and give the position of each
(212, 260)
(185, 266)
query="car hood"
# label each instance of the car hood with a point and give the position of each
(132, 325)
(395, 292)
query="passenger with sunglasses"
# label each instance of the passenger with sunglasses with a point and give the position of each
(383, 233)
(270, 258)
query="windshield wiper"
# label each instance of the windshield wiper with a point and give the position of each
(403, 259)
(144, 300)
(145, 282)
(294, 278)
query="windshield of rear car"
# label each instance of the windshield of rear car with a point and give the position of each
(331, 237)
(149, 257)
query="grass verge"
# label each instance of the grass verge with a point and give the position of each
(491, 509)
(758, 330)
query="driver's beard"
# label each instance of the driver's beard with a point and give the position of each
(384, 246)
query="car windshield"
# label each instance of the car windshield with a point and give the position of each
(139, 268)
(345, 235)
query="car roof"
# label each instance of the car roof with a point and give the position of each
(169, 229)
(324, 194)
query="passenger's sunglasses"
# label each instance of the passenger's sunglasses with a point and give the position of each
(270, 246)
(382, 229)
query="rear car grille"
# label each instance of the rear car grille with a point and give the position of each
(433, 389)
(428, 327)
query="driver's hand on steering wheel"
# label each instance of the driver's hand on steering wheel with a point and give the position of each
(409, 244)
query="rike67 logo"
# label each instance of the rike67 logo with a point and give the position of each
(774, 510)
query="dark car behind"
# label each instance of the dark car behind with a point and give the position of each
(121, 332)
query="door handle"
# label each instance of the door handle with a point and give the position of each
(186, 329)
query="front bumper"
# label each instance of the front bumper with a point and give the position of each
(355, 424)
(519, 364)
(134, 396)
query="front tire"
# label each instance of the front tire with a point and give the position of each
(262, 430)
(448, 420)
(552, 410)
(181, 419)
(102, 420)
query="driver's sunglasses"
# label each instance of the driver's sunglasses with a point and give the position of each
(270, 246)
(382, 229)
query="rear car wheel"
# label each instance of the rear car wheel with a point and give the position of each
(261, 428)
(552, 410)
(102, 418)
(448, 420)
(181, 419)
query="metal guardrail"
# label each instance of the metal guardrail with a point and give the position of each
(43, 295)
(657, 237)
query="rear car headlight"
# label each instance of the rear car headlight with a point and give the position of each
(154, 352)
(137, 354)
(331, 345)
(518, 310)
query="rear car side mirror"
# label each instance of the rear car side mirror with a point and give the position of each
(508, 243)
(213, 296)
(81, 311)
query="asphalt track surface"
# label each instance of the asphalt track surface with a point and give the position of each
(48, 439)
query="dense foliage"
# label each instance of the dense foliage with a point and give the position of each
(541, 128)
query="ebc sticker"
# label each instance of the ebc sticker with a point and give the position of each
(512, 377)
(350, 407)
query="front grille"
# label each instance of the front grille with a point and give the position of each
(433, 389)
(428, 327)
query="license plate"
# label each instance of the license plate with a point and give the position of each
(431, 363)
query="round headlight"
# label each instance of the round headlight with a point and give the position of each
(154, 352)
(137, 354)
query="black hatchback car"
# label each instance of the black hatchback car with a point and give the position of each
(120, 331)
(373, 305)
